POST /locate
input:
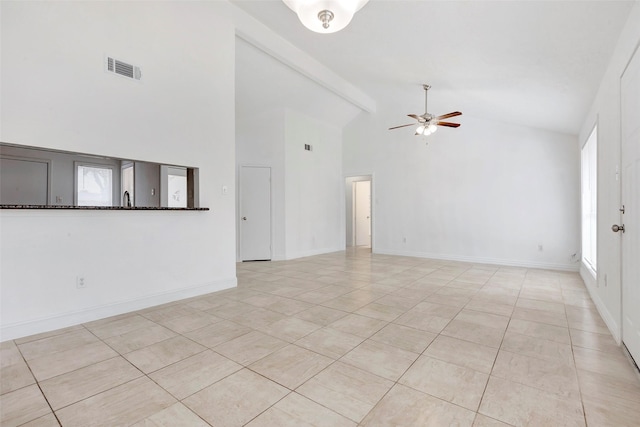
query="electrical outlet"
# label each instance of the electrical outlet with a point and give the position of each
(80, 282)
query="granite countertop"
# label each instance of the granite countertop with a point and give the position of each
(99, 208)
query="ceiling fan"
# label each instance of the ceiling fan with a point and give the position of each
(427, 123)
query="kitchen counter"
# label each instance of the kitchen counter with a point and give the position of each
(100, 208)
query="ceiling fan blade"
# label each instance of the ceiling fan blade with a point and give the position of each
(446, 116)
(418, 118)
(402, 126)
(447, 124)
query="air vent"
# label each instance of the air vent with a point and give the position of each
(122, 68)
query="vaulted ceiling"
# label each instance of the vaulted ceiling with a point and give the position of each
(535, 63)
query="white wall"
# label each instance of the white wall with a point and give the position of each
(306, 186)
(305, 103)
(260, 142)
(485, 192)
(55, 94)
(605, 111)
(314, 198)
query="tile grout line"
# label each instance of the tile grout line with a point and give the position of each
(498, 352)
(396, 382)
(38, 384)
(147, 375)
(253, 288)
(328, 366)
(575, 365)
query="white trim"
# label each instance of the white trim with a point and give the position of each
(635, 49)
(591, 283)
(586, 266)
(482, 260)
(593, 128)
(312, 252)
(585, 258)
(50, 323)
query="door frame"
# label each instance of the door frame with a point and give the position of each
(365, 176)
(239, 205)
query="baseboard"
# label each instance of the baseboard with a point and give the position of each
(605, 314)
(303, 254)
(481, 260)
(22, 329)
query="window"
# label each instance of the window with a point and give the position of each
(589, 184)
(94, 185)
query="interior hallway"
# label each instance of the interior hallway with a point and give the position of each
(342, 339)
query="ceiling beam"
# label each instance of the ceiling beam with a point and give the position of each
(259, 35)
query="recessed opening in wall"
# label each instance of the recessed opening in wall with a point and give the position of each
(69, 179)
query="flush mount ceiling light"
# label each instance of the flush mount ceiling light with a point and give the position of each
(325, 16)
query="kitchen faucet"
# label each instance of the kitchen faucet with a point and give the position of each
(126, 199)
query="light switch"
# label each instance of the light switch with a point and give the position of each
(225, 189)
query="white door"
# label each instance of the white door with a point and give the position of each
(363, 212)
(255, 213)
(630, 96)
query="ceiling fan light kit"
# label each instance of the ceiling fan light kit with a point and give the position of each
(325, 16)
(428, 123)
(426, 130)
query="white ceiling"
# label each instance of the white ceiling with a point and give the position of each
(264, 83)
(536, 63)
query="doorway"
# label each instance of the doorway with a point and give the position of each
(255, 213)
(630, 211)
(362, 212)
(358, 208)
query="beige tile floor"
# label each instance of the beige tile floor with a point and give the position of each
(341, 339)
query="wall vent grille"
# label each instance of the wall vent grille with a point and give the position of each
(123, 69)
